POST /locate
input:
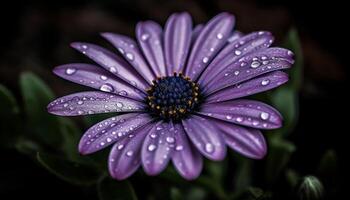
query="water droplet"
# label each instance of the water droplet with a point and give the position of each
(219, 36)
(129, 153)
(91, 112)
(239, 119)
(179, 148)
(238, 52)
(130, 56)
(151, 147)
(80, 112)
(226, 74)
(260, 32)
(144, 37)
(212, 49)
(119, 104)
(70, 71)
(121, 50)
(103, 77)
(265, 82)
(255, 123)
(120, 146)
(113, 69)
(159, 128)
(80, 102)
(209, 148)
(255, 64)
(84, 46)
(109, 140)
(263, 57)
(170, 139)
(243, 64)
(123, 93)
(106, 88)
(264, 115)
(153, 135)
(289, 53)
(102, 143)
(228, 117)
(205, 59)
(65, 105)
(236, 73)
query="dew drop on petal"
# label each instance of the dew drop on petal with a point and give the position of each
(265, 82)
(70, 71)
(106, 88)
(264, 115)
(129, 153)
(205, 59)
(228, 117)
(103, 77)
(238, 52)
(239, 119)
(255, 64)
(113, 69)
(236, 73)
(219, 36)
(209, 148)
(179, 148)
(123, 93)
(119, 104)
(144, 37)
(170, 139)
(130, 56)
(151, 147)
(120, 147)
(80, 102)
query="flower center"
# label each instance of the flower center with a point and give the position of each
(173, 97)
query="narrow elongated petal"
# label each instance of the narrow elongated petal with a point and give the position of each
(111, 130)
(205, 136)
(251, 66)
(244, 112)
(250, 87)
(84, 103)
(150, 37)
(235, 51)
(186, 158)
(125, 156)
(177, 40)
(95, 77)
(112, 63)
(211, 39)
(246, 141)
(157, 148)
(131, 52)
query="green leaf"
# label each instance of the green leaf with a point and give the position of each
(293, 43)
(109, 189)
(243, 173)
(27, 146)
(176, 194)
(279, 155)
(10, 122)
(68, 171)
(36, 96)
(285, 100)
(216, 170)
(310, 188)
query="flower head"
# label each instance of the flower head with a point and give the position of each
(177, 94)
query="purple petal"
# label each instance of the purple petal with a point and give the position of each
(150, 38)
(233, 52)
(84, 103)
(125, 156)
(211, 39)
(95, 77)
(234, 36)
(112, 63)
(196, 31)
(157, 148)
(131, 52)
(177, 40)
(246, 141)
(250, 66)
(205, 136)
(244, 112)
(186, 158)
(111, 130)
(250, 87)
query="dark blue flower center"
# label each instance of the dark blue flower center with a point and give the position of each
(173, 97)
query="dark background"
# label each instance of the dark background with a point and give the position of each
(36, 36)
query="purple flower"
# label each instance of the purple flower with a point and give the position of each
(177, 91)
